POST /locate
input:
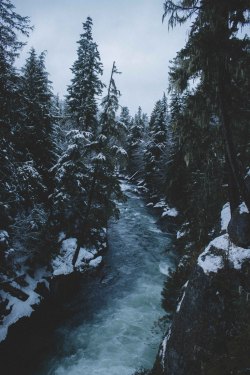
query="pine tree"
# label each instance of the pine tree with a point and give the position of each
(125, 117)
(12, 25)
(156, 145)
(125, 121)
(213, 54)
(71, 183)
(86, 85)
(136, 144)
(103, 185)
(35, 133)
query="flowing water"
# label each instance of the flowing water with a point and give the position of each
(114, 325)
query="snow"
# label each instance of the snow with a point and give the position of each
(3, 235)
(61, 236)
(160, 204)
(164, 268)
(180, 234)
(62, 264)
(121, 151)
(85, 254)
(125, 186)
(180, 303)
(212, 261)
(243, 208)
(170, 212)
(182, 298)
(95, 262)
(225, 216)
(21, 309)
(164, 347)
(99, 157)
(186, 284)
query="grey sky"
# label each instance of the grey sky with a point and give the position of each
(127, 31)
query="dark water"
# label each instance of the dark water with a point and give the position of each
(112, 322)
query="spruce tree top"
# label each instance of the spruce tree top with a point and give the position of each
(86, 84)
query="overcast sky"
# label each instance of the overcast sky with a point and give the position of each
(127, 31)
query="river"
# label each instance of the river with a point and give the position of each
(114, 322)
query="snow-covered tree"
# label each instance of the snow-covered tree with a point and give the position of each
(213, 56)
(156, 145)
(86, 85)
(125, 117)
(34, 135)
(107, 154)
(136, 142)
(71, 179)
(102, 184)
(12, 25)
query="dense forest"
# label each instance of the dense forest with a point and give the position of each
(61, 159)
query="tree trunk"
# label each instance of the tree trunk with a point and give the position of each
(83, 233)
(236, 176)
(233, 192)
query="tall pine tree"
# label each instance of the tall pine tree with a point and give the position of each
(156, 145)
(86, 85)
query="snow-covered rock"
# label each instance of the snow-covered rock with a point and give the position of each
(172, 212)
(61, 236)
(62, 264)
(95, 262)
(18, 308)
(160, 204)
(219, 249)
(22, 298)
(180, 234)
(225, 216)
(164, 268)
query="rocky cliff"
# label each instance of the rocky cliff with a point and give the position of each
(210, 332)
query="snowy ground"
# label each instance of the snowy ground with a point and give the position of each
(61, 265)
(19, 309)
(166, 210)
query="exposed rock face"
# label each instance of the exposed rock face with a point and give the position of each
(239, 228)
(210, 333)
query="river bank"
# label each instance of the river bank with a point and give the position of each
(113, 320)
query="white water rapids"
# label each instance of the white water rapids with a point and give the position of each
(114, 327)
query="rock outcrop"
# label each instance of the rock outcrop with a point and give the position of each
(210, 332)
(239, 227)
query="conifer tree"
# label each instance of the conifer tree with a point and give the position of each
(36, 130)
(71, 180)
(156, 145)
(86, 85)
(137, 135)
(125, 117)
(103, 185)
(213, 53)
(12, 25)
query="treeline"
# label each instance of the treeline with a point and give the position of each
(194, 152)
(58, 159)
